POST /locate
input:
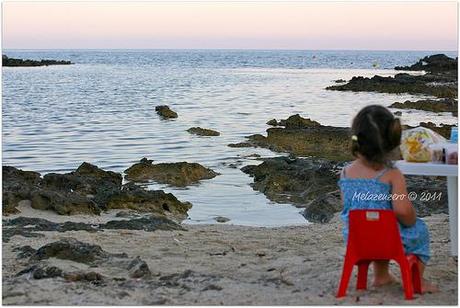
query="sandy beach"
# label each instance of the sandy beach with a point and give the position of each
(214, 265)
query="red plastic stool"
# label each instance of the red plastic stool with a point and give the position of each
(374, 235)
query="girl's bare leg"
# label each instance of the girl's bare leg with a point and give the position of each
(382, 275)
(427, 286)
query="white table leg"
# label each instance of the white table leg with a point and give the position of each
(452, 197)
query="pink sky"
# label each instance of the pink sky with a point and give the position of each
(270, 25)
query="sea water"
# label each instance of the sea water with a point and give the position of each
(102, 110)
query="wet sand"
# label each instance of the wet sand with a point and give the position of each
(220, 264)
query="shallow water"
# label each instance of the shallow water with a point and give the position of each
(101, 110)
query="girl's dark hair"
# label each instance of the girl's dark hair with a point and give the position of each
(375, 133)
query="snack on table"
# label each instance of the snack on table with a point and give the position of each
(416, 142)
(438, 153)
(452, 154)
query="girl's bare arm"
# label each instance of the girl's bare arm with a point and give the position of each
(402, 206)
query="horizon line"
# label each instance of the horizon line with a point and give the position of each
(234, 49)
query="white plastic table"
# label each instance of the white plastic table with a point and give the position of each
(449, 171)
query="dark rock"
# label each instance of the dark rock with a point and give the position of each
(150, 223)
(240, 145)
(397, 113)
(17, 185)
(340, 81)
(302, 182)
(71, 249)
(322, 208)
(439, 86)
(25, 251)
(63, 203)
(323, 141)
(434, 64)
(40, 224)
(41, 271)
(88, 181)
(177, 174)
(165, 112)
(6, 61)
(272, 122)
(221, 219)
(442, 105)
(203, 131)
(83, 276)
(138, 268)
(296, 121)
(134, 197)
(305, 137)
(28, 226)
(89, 190)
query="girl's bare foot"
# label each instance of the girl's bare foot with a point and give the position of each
(428, 287)
(384, 280)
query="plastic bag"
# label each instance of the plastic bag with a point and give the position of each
(416, 142)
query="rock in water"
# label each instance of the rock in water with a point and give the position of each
(165, 112)
(296, 121)
(177, 174)
(309, 183)
(85, 190)
(440, 79)
(402, 83)
(442, 105)
(221, 219)
(88, 190)
(6, 61)
(433, 64)
(203, 131)
(134, 197)
(323, 141)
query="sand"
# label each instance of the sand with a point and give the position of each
(222, 264)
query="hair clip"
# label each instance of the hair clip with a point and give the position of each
(354, 138)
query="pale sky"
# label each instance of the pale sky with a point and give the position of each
(235, 25)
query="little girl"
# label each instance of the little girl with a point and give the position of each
(375, 134)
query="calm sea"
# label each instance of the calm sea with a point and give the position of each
(102, 110)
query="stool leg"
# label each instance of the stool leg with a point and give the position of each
(407, 279)
(416, 279)
(346, 273)
(361, 283)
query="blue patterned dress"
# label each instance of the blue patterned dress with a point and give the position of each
(416, 239)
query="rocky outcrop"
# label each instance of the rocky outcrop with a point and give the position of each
(87, 190)
(78, 261)
(440, 79)
(434, 64)
(310, 183)
(133, 197)
(177, 174)
(17, 185)
(203, 131)
(165, 112)
(32, 226)
(402, 83)
(304, 137)
(294, 121)
(6, 61)
(441, 105)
